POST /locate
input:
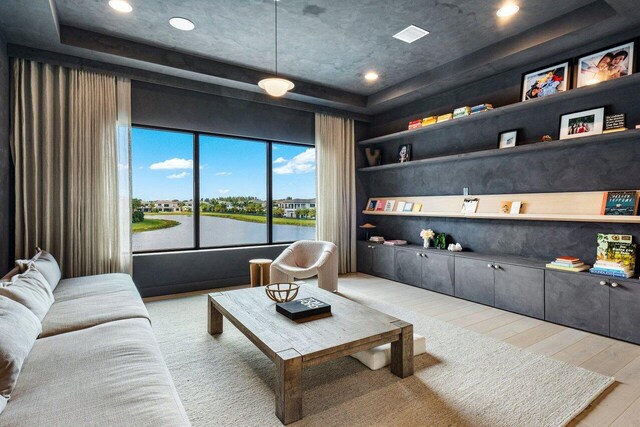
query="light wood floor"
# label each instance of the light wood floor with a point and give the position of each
(618, 406)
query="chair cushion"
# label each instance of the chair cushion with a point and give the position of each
(19, 328)
(84, 302)
(46, 264)
(31, 290)
(378, 357)
(109, 375)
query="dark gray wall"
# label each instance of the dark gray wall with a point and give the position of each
(608, 165)
(155, 105)
(6, 166)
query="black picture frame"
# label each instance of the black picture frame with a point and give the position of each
(515, 131)
(569, 73)
(633, 63)
(404, 158)
(604, 112)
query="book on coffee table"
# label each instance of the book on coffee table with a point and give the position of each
(304, 308)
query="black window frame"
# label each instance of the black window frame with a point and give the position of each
(196, 187)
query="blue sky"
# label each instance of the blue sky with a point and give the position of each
(162, 164)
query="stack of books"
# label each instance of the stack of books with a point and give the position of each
(431, 120)
(376, 239)
(461, 112)
(568, 263)
(480, 108)
(415, 124)
(612, 268)
(395, 242)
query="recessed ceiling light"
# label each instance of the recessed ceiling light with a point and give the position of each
(182, 24)
(371, 76)
(411, 34)
(120, 6)
(508, 9)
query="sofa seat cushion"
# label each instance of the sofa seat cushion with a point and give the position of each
(84, 302)
(109, 375)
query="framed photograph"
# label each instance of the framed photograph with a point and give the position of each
(608, 64)
(404, 153)
(508, 139)
(545, 82)
(582, 123)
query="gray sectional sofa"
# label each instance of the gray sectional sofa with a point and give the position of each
(95, 363)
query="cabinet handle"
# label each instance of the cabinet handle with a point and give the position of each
(490, 265)
(614, 285)
(496, 267)
(418, 254)
(602, 283)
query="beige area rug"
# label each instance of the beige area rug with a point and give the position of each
(464, 379)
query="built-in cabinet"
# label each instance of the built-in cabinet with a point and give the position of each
(584, 301)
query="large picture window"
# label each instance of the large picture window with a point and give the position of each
(247, 192)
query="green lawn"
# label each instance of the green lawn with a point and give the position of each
(152, 224)
(249, 218)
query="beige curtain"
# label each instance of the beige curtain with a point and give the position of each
(65, 149)
(336, 214)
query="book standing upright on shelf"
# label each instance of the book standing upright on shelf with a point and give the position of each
(619, 203)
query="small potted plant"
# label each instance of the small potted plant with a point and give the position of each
(426, 236)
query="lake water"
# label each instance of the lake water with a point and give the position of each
(215, 231)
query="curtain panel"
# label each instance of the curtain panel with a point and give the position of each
(65, 131)
(336, 215)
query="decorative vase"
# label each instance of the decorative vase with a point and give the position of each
(426, 243)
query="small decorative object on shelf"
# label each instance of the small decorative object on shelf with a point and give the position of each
(367, 227)
(445, 117)
(516, 207)
(380, 204)
(470, 205)
(428, 121)
(546, 138)
(304, 309)
(619, 203)
(582, 123)
(455, 247)
(615, 256)
(417, 207)
(480, 108)
(374, 157)
(388, 206)
(508, 139)
(568, 263)
(606, 65)
(372, 204)
(415, 124)
(376, 239)
(426, 236)
(615, 123)
(282, 292)
(441, 241)
(545, 82)
(395, 242)
(404, 153)
(505, 207)
(461, 112)
(408, 207)
(400, 206)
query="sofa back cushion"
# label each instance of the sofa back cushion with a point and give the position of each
(31, 290)
(46, 264)
(19, 329)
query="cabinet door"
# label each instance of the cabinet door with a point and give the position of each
(408, 266)
(438, 272)
(520, 289)
(384, 264)
(474, 280)
(577, 300)
(625, 310)
(365, 257)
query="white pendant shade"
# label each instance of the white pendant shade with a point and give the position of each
(276, 86)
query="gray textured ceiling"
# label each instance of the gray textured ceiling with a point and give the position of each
(325, 45)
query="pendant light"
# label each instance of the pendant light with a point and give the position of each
(276, 86)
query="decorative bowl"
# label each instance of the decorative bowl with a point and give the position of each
(282, 292)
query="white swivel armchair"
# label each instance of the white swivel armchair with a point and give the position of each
(306, 258)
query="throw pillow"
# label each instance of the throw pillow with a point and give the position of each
(46, 264)
(19, 329)
(31, 290)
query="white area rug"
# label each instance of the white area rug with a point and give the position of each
(464, 379)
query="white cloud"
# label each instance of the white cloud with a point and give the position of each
(280, 160)
(179, 175)
(304, 162)
(223, 191)
(223, 173)
(174, 163)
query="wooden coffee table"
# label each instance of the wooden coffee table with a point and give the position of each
(293, 346)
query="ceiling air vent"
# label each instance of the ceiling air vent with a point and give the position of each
(411, 34)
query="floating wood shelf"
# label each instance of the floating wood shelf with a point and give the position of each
(586, 91)
(566, 207)
(527, 148)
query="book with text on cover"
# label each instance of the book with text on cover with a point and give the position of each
(303, 308)
(619, 203)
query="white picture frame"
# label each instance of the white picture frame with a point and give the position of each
(603, 65)
(582, 123)
(545, 82)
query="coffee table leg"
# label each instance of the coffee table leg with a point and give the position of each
(288, 386)
(402, 351)
(214, 318)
